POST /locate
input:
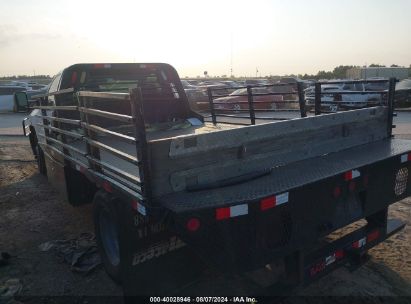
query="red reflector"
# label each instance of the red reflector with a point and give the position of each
(222, 213)
(98, 66)
(193, 224)
(351, 186)
(356, 244)
(339, 254)
(348, 175)
(337, 192)
(107, 186)
(409, 156)
(373, 236)
(267, 203)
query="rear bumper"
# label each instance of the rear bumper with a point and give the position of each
(251, 234)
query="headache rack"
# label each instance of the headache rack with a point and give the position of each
(79, 133)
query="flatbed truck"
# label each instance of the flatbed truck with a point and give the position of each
(244, 190)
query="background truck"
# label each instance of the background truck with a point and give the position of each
(244, 190)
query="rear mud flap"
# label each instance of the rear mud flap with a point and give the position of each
(56, 175)
(153, 260)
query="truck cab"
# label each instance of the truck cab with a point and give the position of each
(116, 77)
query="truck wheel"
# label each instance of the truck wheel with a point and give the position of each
(106, 226)
(41, 162)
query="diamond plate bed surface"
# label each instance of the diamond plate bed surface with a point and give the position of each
(287, 177)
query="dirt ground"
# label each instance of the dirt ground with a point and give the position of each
(32, 213)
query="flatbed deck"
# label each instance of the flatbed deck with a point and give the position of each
(284, 178)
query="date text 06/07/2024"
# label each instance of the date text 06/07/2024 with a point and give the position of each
(240, 299)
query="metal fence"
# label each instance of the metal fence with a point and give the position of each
(251, 101)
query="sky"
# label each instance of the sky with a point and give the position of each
(276, 37)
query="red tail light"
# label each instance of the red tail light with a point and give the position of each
(193, 224)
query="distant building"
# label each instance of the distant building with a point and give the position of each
(383, 72)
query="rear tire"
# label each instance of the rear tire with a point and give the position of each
(107, 228)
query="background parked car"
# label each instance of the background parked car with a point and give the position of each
(256, 82)
(231, 83)
(197, 97)
(222, 89)
(238, 100)
(192, 81)
(336, 99)
(403, 93)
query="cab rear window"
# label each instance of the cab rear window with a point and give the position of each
(153, 82)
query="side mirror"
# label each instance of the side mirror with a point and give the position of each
(21, 102)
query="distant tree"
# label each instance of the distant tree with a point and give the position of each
(324, 75)
(307, 76)
(341, 71)
(395, 66)
(376, 65)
